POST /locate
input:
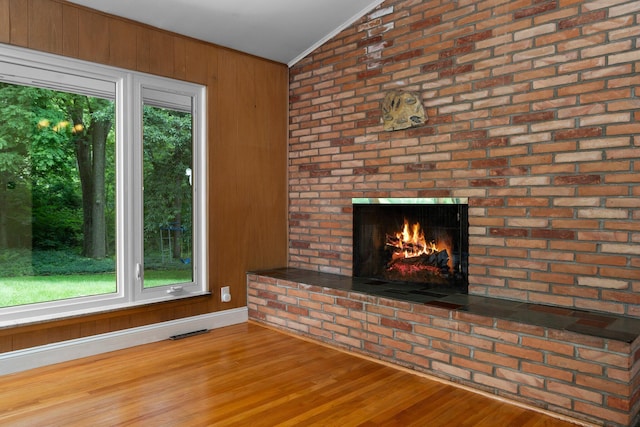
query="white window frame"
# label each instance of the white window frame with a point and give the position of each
(130, 89)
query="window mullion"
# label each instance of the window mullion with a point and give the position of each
(129, 191)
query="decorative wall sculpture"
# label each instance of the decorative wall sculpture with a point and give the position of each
(402, 110)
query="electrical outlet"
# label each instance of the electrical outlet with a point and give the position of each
(225, 294)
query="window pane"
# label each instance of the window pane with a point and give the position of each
(57, 204)
(168, 196)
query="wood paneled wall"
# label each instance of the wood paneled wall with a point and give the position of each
(247, 148)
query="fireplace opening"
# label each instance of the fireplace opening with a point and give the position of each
(412, 241)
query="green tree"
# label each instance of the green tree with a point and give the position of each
(167, 156)
(92, 120)
(56, 166)
(51, 144)
(18, 127)
(56, 198)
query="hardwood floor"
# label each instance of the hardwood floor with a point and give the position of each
(243, 375)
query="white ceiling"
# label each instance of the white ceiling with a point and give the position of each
(281, 30)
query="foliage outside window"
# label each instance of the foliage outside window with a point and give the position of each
(102, 183)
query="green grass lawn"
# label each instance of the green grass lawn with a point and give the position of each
(31, 289)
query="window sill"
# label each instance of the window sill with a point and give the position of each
(36, 320)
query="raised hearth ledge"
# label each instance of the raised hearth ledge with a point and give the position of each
(596, 324)
(582, 364)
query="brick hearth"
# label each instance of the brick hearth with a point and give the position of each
(581, 364)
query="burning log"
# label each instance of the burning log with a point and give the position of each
(400, 246)
(413, 255)
(437, 262)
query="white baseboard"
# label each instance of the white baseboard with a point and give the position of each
(22, 360)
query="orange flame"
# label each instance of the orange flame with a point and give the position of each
(411, 241)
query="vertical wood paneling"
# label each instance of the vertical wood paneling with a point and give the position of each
(250, 213)
(19, 25)
(70, 27)
(213, 64)
(45, 26)
(94, 37)
(5, 32)
(66, 333)
(93, 29)
(122, 48)
(213, 136)
(119, 323)
(142, 50)
(197, 66)
(30, 338)
(244, 202)
(271, 113)
(179, 58)
(89, 328)
(6, 344)
(161, 53)
(247, 145)
(222, 186)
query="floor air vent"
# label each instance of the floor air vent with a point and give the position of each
(189, 334)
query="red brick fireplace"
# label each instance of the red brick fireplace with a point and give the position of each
(533, 116)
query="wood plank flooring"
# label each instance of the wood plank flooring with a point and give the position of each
(244, 375)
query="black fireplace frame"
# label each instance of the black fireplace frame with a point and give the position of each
(447, 217)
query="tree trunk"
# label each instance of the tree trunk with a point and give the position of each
(85, 172)
(99, 132)
(90, 148)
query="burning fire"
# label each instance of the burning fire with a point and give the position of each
(412, 255)
(410, 242)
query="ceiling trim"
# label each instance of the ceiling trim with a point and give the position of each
(335, 32)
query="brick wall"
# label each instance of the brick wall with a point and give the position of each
(585, 377)
(533, 116)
